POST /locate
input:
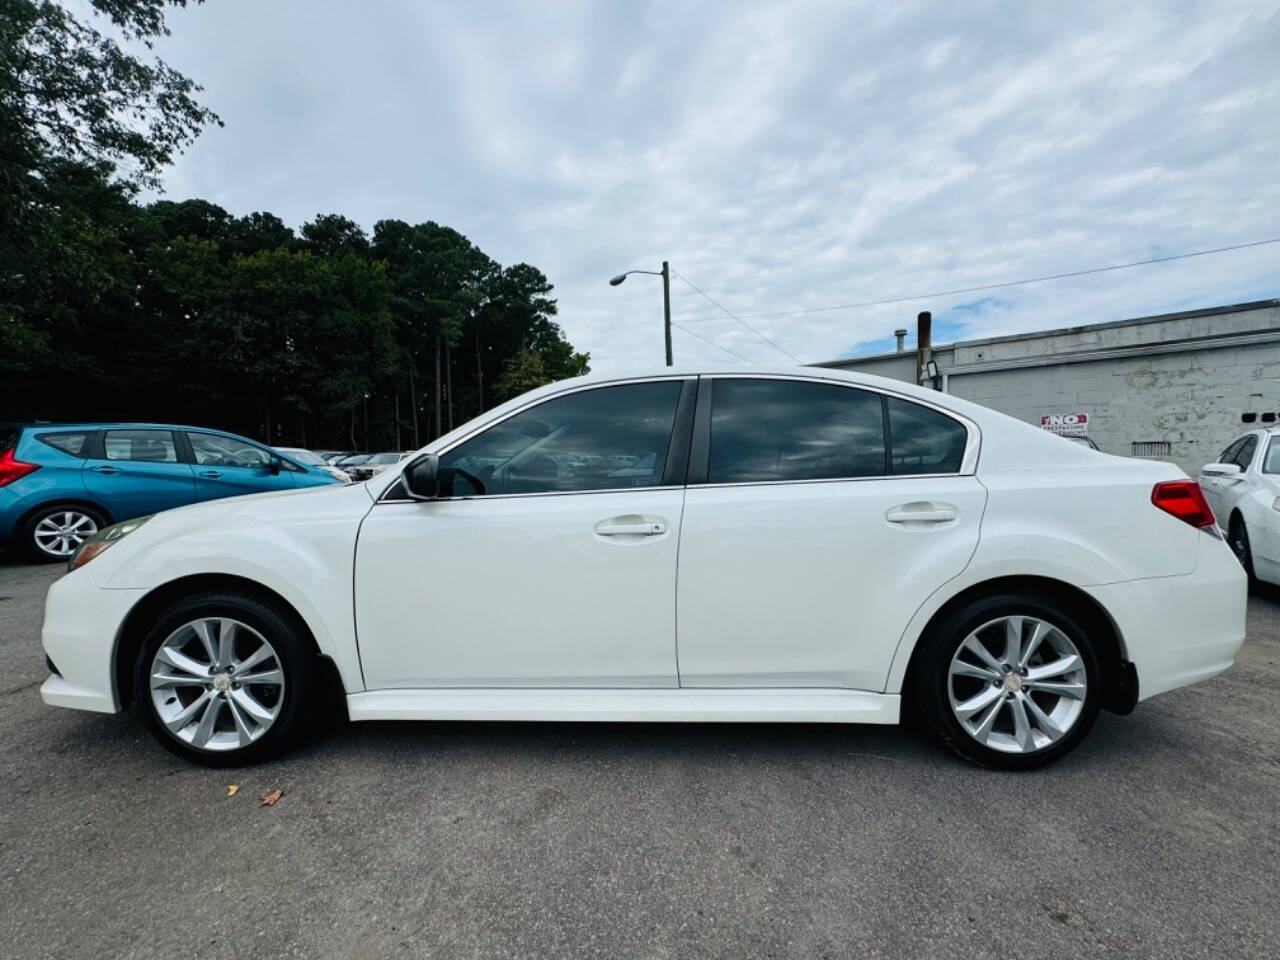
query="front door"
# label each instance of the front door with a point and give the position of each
(228, 466)
(819, 520)
(551, 559)
(136, 472)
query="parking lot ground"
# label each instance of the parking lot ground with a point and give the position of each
(1157, 838)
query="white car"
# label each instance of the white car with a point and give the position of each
(1243, 488)
(312, 459)
(804, 546)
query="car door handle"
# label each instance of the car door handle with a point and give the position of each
(106, 470)
(921, 513)
(210, 474)
(631, 526)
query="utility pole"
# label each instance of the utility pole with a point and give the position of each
(665, 274)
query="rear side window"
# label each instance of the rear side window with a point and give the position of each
(148, 446)
(73, 443)
(922, 440)
(1271, 463)
(772, 430)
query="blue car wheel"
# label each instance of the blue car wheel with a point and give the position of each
(54, 533)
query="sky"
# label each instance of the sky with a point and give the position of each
(781, 156)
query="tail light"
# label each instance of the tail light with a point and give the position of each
(1185, 500)
(11, 469)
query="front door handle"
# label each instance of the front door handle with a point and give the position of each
(106, 470)
(909, 513)
(211, 474)
(632, 526)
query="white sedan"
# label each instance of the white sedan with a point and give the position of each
(1243, 488)
(799, 545)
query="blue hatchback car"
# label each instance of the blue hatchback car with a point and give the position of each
(61, 483)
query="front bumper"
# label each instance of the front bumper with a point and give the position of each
(82, 623)
(1181, 630)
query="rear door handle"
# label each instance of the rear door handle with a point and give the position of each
(106, 470)
(921, 513)
(631, 526)
(211, 474)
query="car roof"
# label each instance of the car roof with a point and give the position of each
(113, 425)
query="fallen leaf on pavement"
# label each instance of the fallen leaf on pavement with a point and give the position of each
(233, 789)
(272, 798)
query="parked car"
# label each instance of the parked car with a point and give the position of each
(1243, 488)
(60, 484)
(375, 464)
(827, 546)
(313, 459)
(345, 464)
(332, 457)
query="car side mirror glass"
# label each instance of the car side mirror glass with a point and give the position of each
(421, 478)
(1221, 469)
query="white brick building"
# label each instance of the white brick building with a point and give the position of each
(1178, 386)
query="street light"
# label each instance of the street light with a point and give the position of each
(665, 274)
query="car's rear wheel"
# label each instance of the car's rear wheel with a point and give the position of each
(55, 533)
(1009, 681)
(225, 679)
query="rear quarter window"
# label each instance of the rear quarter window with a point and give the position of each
(72, 442)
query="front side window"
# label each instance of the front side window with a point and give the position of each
(774, 430)
(607, 438)
(1229, 455)
(1244, 456)
(923, 440)
(211, 450)
(150, 446)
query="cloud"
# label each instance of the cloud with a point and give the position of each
(780, 155)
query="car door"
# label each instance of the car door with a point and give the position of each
(227, 466)
(818, 517)
(136, 472)
(547, 563)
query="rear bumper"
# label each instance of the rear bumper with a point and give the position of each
(1180, 630)
(81, 624)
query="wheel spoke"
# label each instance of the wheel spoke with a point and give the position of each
(1038, 633)
(187, 713)
(226, 642)
(263, 652)
(208, 720)
(266, 676)
(1013, 640)
(978, 702)
(80, 523)
(1021, 726)
(201, 628)
(1067, 664)
(246, 701)
(241, 722)
(1042, 719)
(180, 661)
(1074, 691)
(962, 668)
(976, 647)
(159, 679)
(983, 730)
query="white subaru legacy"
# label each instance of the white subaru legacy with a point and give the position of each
(798, 545)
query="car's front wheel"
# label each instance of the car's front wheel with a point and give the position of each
(1009, 681)
(225, 679)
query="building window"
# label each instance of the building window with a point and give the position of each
(1149, 448)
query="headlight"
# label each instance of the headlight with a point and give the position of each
(103, 539)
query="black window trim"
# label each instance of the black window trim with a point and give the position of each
(700, 458)
(1244, 442)
(394, 490)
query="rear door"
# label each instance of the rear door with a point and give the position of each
(229, 466)
(135, 472)
(818, 517)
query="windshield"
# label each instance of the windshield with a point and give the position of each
(304, 456)
(353, 461)
(385, 458)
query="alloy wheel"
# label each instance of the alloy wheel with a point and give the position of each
(60, 534)
(217, 684)
(1017, 684)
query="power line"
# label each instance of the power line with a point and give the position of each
(739, 319)
(996, 286)
(705, 340)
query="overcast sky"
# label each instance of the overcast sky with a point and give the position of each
(781, 156)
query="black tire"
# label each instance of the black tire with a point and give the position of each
(930, 692)
(32, 546)
(1238, 540)
(297, 660)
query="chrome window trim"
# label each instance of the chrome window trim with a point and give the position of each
(972, 446)
(581, 388)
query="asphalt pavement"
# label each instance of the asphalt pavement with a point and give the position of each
(1156, 838)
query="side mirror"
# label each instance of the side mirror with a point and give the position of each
(421, 481)
(273, 466)
(1221, 469)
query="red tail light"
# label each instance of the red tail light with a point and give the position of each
(11, 469)
(1185, 500)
